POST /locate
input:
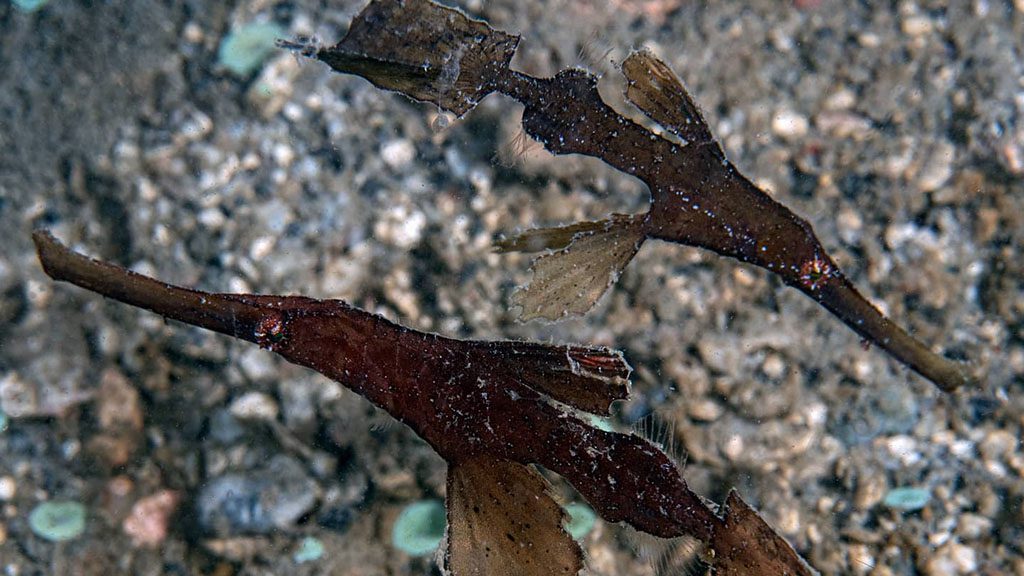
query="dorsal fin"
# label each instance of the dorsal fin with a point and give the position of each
(659, 93)
(588, 378)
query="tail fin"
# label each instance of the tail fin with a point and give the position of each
(426, 51)
(502, 521)
(589, 259)
(587, 378)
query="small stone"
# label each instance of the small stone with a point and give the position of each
(146, 525)
(774, 366)
(732, 448)
(790, 125)
(843, 124)
(401, 227)
(870, 491)
(245, 48)
(58, 521)
(972, 526)
(212, 218)
(905, 448)
(118, 405)
(254, 406)
(705, 410)
(8, 488)
(937, 168)
(861, 560)
(240, 549)
(259, 502)
(398, 154)
(850, 225)
(580, 520)
(917, 26)
(907, 499)
(842, 99)
(310, 550)
(951, 559)
(997, 444)
(418, 530)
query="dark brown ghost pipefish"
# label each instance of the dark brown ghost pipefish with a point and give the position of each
(438, 55)
(490, 409)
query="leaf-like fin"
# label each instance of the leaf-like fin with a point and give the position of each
(426, 51)
(571, 280)
(589, 378)
(659, 93)
(502, 521)
(745, 544)
(540, 239)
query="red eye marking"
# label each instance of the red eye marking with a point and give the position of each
(270, 331)
(814, 273)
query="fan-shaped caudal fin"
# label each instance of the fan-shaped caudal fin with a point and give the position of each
(743, 544)
(426, 51)
(584, 377)
(503, 522)
(659, 93)
(590, 257)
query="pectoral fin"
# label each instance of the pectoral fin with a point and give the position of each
(590, 258)
(503, 522)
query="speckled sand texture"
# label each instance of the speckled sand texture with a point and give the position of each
(896, 129)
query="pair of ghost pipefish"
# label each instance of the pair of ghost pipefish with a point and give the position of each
(486, 407)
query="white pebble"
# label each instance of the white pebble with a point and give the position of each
(401, 227)
(774, 366)
(790, 125)
(952, 559)
(904, 448)
(8, 488)
(398, 153)
(733, 447)
(937, 168)
(917, 26)
(254, 406)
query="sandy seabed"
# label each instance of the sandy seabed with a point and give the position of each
(897, 131)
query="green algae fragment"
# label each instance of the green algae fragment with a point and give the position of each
(58, 521)
(581, 520)
(310, 550)
(29, 5)
(419, 528)
(245, 48)
(907, 498)
(3, 421)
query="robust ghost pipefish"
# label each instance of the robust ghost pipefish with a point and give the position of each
(490, 409)
(436, 54)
